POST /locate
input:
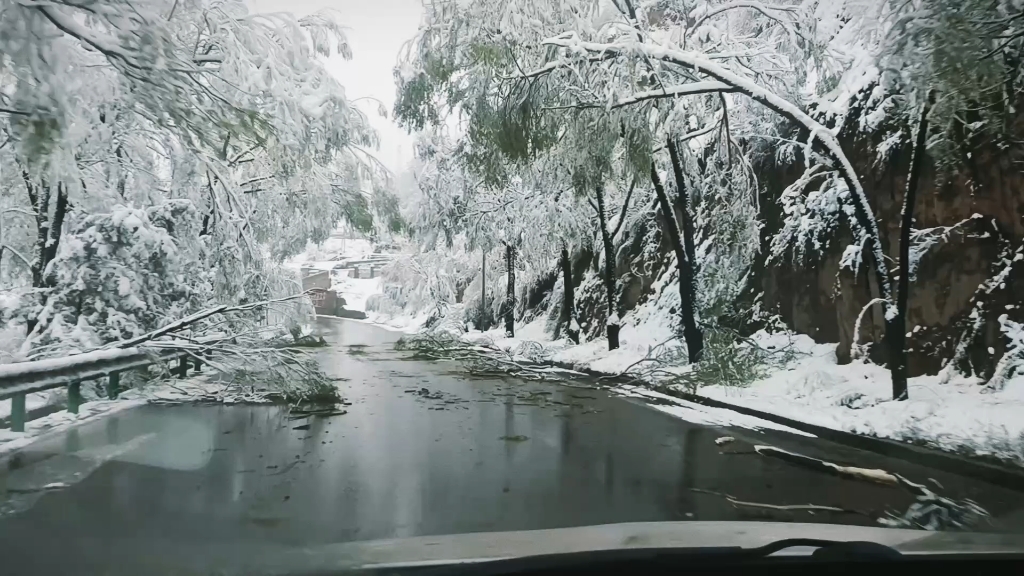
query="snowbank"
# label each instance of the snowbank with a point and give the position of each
(355, 291)
(960, 415)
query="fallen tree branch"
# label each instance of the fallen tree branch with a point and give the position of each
(780, 507)
(189, 320)
(865, 474)
(482, 358)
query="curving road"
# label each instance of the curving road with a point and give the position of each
(423, 449)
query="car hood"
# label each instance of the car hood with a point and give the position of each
(497, 545)
(144, 554)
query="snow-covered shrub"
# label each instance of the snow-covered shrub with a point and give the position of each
(289, 375)
(813, 206)
(119, 275)
(728, 360)
(425, 282)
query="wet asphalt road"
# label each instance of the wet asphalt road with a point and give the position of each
(423, 449)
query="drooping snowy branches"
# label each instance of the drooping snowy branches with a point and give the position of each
(166, 154)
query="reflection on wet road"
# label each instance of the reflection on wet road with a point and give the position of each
(422, 449)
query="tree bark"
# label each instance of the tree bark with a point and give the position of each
(60, 210)
(691, 333)
(48, 232)
(483, 290)
(568, 298)
(684, 205)
(510, 293)
(613, 323)
(897, 329)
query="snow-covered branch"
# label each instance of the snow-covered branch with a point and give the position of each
(765, 9)
(687, 89)
(698, 64)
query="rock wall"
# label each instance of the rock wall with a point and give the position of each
(981, 201)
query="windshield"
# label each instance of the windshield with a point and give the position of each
(282, 276)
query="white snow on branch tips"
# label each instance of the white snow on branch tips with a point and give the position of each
(811, 215)
(765, 9)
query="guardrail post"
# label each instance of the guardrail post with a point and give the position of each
(198, 364)
(18, 413)
(74, 396)
(182, 366)
(113, 385)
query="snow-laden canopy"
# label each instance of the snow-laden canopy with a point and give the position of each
(159, 155)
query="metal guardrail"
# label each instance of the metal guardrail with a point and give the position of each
(22, 378)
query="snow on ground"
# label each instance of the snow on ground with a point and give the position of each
(856, 397)
(700, 414)
(355, 291)
(635, 343)
(407, 324)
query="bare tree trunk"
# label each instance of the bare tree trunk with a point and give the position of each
(691, 333)
(510, 294)
(897, 325)
(568, 298)
(613, 323)
(483, 290)
(60, 210)
(48, 232)
(684, 204)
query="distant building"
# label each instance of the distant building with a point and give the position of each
(326, 301)
(312, 278)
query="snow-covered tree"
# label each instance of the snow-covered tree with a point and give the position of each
(219, 131)
(513, 68)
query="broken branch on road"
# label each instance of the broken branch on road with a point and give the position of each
(930, 511)
(779, 507)
(484, 358)
(868, 475)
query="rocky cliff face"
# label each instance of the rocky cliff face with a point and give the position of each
(974, 212)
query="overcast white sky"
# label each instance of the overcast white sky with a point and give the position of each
(376, 30)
